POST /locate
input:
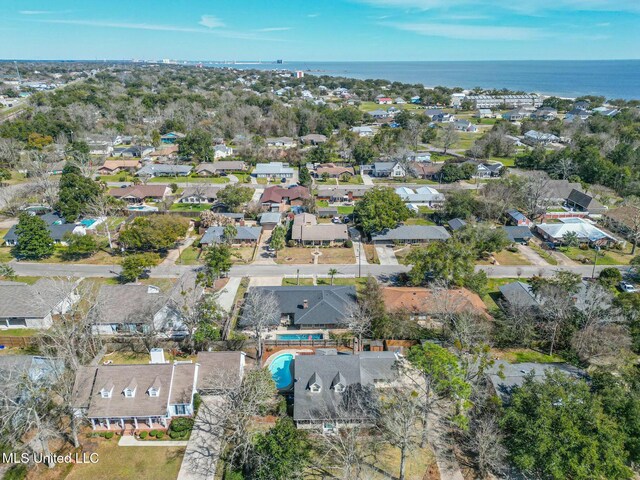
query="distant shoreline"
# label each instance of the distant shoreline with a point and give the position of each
(613, 79)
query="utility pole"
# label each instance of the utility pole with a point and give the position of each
(595, 262)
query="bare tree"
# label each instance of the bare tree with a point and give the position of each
(103, 207)
(536, 195)
(9, 152)
(485, 440)
(399, 410)
(359, 317)
(447, 137)
(260, 311)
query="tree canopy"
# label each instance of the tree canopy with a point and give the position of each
(34, 238)
(380, 208)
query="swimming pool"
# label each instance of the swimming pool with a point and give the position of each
(300, 336)
(280, 369)
(142, 208)
(87, 222)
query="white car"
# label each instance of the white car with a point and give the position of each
(627, 287)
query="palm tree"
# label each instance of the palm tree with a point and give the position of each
(570, 239)
(333, 272)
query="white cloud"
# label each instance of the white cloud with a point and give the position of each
(274, 29)
(469, 32)
(159, 27)
(211, 21)
(520, 6)
(34, 12)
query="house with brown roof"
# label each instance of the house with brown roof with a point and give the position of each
(280, 199)
(306, 230)
(429, 171)
(427, 306)
(113, 167)
(332, 170)
(624, 220)
(132, 398)
(141, 193)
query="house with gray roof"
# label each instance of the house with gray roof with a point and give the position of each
(534, 137)
(200, 194)
(585, 232)
(244, 236)
(456, 224)
(56, 224)
(216, 168)
(584, 202)
(273, 170)
(386, 169)
(331, 389)
(306, 230)
(505, 377)
(164, 170)
(15, 370)
(133, 309)
(303, 307)
(34, 306)
(411, 234)
(518, 234)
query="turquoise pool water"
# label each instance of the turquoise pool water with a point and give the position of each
(280, 369)
(87, 222)
(300, 336)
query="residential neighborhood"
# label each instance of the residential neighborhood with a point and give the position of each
(272, 273)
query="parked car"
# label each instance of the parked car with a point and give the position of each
(627, 287)
(336, 220)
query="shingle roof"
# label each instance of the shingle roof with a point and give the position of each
(519, 294)
(163, 169)
(32, 301)
(412, 232)
(587, 202)
(506, 376)
(327, 305)
(276, 194)
(517, 233)
(219, 370)
(140, 191)
(220, 166)
(456, 224)
(431, 302)
(127, 304)
(353, 371)
(216, 234)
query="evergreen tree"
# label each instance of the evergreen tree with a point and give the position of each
(34, 238)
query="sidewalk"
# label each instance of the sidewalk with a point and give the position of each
(228, 293)
(131, 441)
(201, 457)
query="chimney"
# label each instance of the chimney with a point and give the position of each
(157, 356)
(305, 303)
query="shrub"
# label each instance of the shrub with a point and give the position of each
(159, 435)
(512, 249)
(176, 435)
(182, 424)
(610, 276)
(291, 243)
(19, 472)
(108, 435)
(233, 475)
(144, 435)
(584, 246)
(348, 244)
(153, 433)
(197, 401)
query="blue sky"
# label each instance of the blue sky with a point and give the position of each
(320, 30)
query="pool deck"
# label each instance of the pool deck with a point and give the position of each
(276, 353)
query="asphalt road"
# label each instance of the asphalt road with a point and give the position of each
(168, 271)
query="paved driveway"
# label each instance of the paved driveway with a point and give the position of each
(203, 450)
(228, 293)
(366, 179)
(386, 255)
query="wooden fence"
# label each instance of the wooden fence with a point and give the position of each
(10, 341)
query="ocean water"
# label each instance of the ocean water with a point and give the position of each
(610, 78)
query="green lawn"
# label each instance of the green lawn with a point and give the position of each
(186, 207)
(120, 177)
(418, 221)
(466, 140)
(5, 255)
(353, 180)
(493, 294)
(525, 355)
(189, 256)
(18, 332)
(345, 210)
(159, 463)
(588, 256)
(371, 106)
